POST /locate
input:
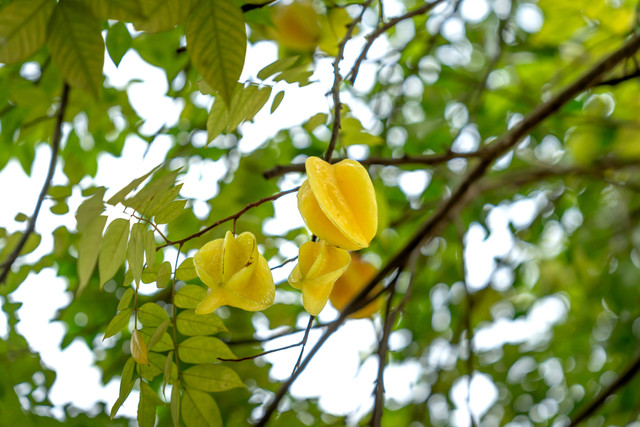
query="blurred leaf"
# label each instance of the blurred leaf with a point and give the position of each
(212, 378)
(119, 322)
(125, 300)
(113, 249)
(277, 66)
(120, 195)
(135, 251)
(199, 409)
(118, 42)
(162, 15)
(159, 333)
(127, 381)
(276, 101)
(150, 248)
(23, 26)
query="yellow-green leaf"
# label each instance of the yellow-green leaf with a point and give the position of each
(277, 66)
(217, 120)
(113, 249)
(217, 43)
(189, 323)
(163, 341)
(162, 15)
(120, 195)
(164, 274)
(186, 271)
(126, 385)
(88, 250)
(276, 101)
(151, 314)
(118, 42)
(202, 349)
(118, 323)
(138, 348)
(23, 29)
(168, 368)
(199, 409)
(175, 405)
(90, 209)
(76, 46)
(150, 248)
(121, 10)
(189, 296)
(210, 377)
(159, 333)
(135, 251)
(125, 300)
(170, 212)
(149, 400)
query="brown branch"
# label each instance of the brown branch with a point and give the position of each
(152, 224)
(55, 145)
(426, 160)
(617, 80)
(285, 262)
(234, 217)
(337, 79)
(304, 343)
(381, 30)
(462, 194)
(631, 371)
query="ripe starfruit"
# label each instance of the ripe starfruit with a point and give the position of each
(296, 25)
(357, 276)
(319, 266)
(338, 203)
(236, 274)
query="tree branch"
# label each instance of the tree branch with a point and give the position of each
(55, 145)
(462, 193)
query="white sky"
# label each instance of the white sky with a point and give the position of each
(340, 362)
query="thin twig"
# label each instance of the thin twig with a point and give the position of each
(152, 224)
(617, 80)
(229, 218)
(55, 145)
(337, 80)
(272, 337)
(304, 343)
(285, 262)
(381, 30)
(462, 193)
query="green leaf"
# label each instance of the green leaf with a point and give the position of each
(120, 195)
(170, 212)
(175, 405)
(126, 385)
(151, 314)
(59, 208)
(276, 101)
(113, 249)
(59, 191)
(199, 409)
(150, 248)
(121, 10)
(277, 66)
(118, 42)
(21, 217)
(202, 349)
(168, 368)
(186, 271)
(210, 377)
(164, 275)
(162, 15)
(217, 43)
(218, 119)
(156, 366)
(149, 400)
(126, 299)
(189, 296)
(159, 333)
(76, 46)
(163, 341)
(315, 121)
(153, 194)
(119, 322)
(189, 323)
(90, 209)
(88, 250)
(245, 104)
(23, 27)
(139, 350)
(135, 251)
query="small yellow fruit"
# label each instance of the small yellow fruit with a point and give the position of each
(319, 266)
(296, 26)
(357, 276)
(338, 203)
(236, 274)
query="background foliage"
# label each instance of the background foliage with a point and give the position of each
(519, 116)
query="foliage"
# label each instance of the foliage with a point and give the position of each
(502, 142)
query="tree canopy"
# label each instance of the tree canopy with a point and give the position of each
(501, 142)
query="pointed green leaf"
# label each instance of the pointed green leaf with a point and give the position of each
(157, 363)
(153, 194)
(218, 119)
(245, 104)
(189, 296)
(159, 333)
(217, 42)
(202, 349)
(276, 101)
(277, 66)
(164, 275)
(126, 385)
(163, 341)
(151, 314)
(138, 348)
(118, 42)
(90, 209)
(189, 323)
(76, 46)
(135, 251)
(175, 405)
(170, 212)
(149, 400)
(150, 248)
(113, 249)
(199, 409)
(210, 377)
(125, 300)
(88, 250)
(162, 15)
(119, 322)
(120, 195)
(167, 371)
(186, 271)
(23, 26)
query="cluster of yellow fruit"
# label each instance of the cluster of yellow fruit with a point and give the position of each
(338, 205)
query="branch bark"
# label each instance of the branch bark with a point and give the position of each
(55, 145)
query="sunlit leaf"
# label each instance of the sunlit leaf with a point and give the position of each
(119, 322)
(276, 101)
(189, 296)
(150, 248)
(164, 274)
(149, 400)
(120, 195)
(135, 251)
(199, 409)
(159, 333)
(163, 341)
(138, 348)
(151, 314)
(277, 66)
(186, 271)
(126, 385)
(113, 249)
(125, 300)
(23, 29)
(200, 349)
(162, 15)
(170, 212)
(189, 323)
(212, 378)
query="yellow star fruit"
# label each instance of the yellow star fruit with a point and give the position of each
(296, 26)
(338, 203)
(357, 276)
(236, 274)
(319, 266)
